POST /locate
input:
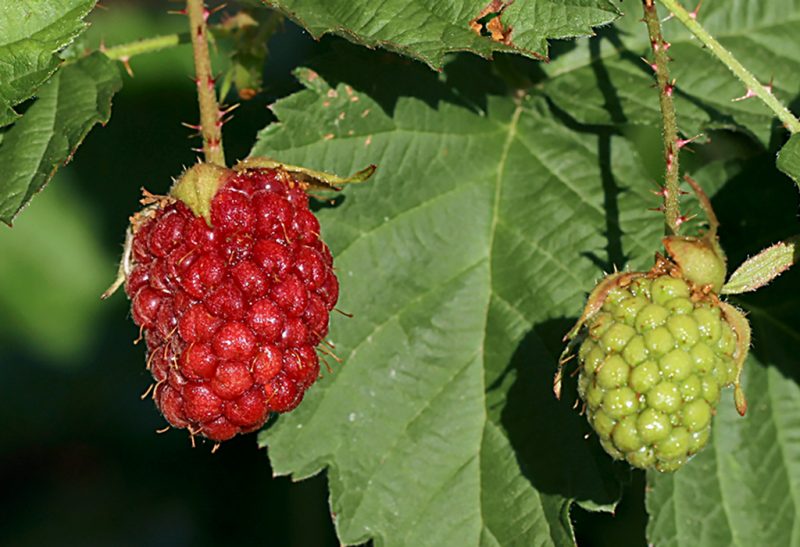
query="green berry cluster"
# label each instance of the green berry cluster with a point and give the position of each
(651, 370)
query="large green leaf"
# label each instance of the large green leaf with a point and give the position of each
(605, 81)
(31, 34)
(72, 101)
(462, 260)
(428, 30)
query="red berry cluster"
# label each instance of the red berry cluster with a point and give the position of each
(232, 312)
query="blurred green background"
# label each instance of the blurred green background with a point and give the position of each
(80, 461)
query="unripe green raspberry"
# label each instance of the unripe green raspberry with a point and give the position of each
(651, 368)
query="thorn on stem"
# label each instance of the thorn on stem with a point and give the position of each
(223, 111)
(653, 66)
(214, 10)
(662, 191)
(683, 142)
(750, 93)
(693, 14)
(126, 63)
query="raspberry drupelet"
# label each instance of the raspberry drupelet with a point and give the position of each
(232, 298)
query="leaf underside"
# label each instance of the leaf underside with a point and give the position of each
(68, 106)
(428, 30)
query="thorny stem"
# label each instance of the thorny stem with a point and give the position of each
(210, 118)
(671, 190)
(754, 87)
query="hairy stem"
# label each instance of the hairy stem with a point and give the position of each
(147, 45)
(754, 87)
(671, 190)
(210, 119)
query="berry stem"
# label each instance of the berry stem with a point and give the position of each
(210, 120)
(754, 87)
(671, 190)
(147, 45)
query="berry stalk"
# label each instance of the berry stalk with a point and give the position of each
(210, 119)
(754, 87)
(148, 45)
(672, 144)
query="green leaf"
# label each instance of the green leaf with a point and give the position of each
(69, 105)
(31, 34)
(789, 158)
(464, 261)
(605, 81)
(428, 30)
(250, 31)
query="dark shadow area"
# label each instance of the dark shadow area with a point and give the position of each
(320, 201)
(624, 528)
(552, 441)
(81, 464)
(615, 256)
(466, 80)
(779, 134)
(383, 76)
(757, 208)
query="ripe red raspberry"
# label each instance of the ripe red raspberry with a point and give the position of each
(232, 310)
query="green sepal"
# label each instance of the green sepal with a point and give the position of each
(595, 301)
(759, 270)
(314, 179)
(197, 187)
(699, 259)
(741, 327)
